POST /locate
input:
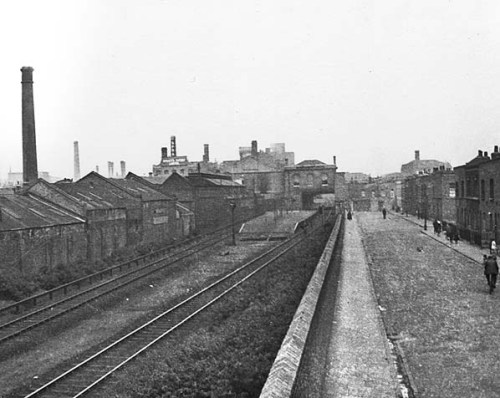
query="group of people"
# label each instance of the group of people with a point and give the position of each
(450, 231)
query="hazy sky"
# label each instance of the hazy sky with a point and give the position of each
(367, 81)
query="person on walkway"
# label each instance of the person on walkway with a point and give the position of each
(435, 225)
(349, 215)
(491, 271)
(493, 247)
(384, 212)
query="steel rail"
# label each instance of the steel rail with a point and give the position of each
(148, 336)
(32, 320)
(32, 301)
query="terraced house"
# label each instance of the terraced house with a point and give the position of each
(478, 198)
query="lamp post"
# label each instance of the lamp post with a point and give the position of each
(233, 206)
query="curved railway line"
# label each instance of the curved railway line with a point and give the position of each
(92, 371)
(124, 274)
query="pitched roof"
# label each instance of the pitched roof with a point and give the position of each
(23, 211)
(142, 190)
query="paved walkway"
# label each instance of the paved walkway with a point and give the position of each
(360, 359)
(470, 250)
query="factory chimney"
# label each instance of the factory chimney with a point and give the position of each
(97, 169)
(30, 164)
(111, 170)
(206, 157)
(122, 168)
(164, 153)
(254, 149)
(76, 165)
(417, 155)
(173, 150)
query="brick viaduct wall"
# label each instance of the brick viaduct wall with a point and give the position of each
(285, 370)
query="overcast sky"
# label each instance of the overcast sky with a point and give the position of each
(367, 81)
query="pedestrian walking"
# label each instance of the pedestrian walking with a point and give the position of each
(491, 271)
(435, 225)
(349, 215)
(493, 247)
(384, 212)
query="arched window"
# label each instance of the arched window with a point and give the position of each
(296, 180)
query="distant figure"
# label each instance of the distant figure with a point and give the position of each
(384, 212)
(491, 271)
(456, 237)
(439, 228)
(435, 225)
(349, 215)
(493, 247)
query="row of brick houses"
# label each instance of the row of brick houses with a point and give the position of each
(466, 197)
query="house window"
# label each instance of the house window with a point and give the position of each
(462, 188)
(310, 180)
(452, 189)
(483, 190)
(296, 181)
(324, 180)
(492, 189)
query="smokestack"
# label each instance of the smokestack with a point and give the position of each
(122, 168)
(97, 169)
(417, 155)
(335, 160)
(111, 170)
(173, 150)
(206, 157)
(164, 153)
(30, 164)
(254, 148)
(76, 165)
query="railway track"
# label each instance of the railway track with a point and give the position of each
(51, 310)
(88, 374)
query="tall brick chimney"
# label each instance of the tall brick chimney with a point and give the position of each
(173, 149)
(417, 155)
(76, 165)
(30, 163)
(206, 156)
(123, 168)
(164, 153)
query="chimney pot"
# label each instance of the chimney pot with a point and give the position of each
(496, 148)
(485, 154)
(479, 153)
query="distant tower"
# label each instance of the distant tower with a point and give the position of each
(111, 170)
(30, 164)
(173, 149)
(254, 150)
(206, 157)
(76, 166)
(122, 167)
(97, 169)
